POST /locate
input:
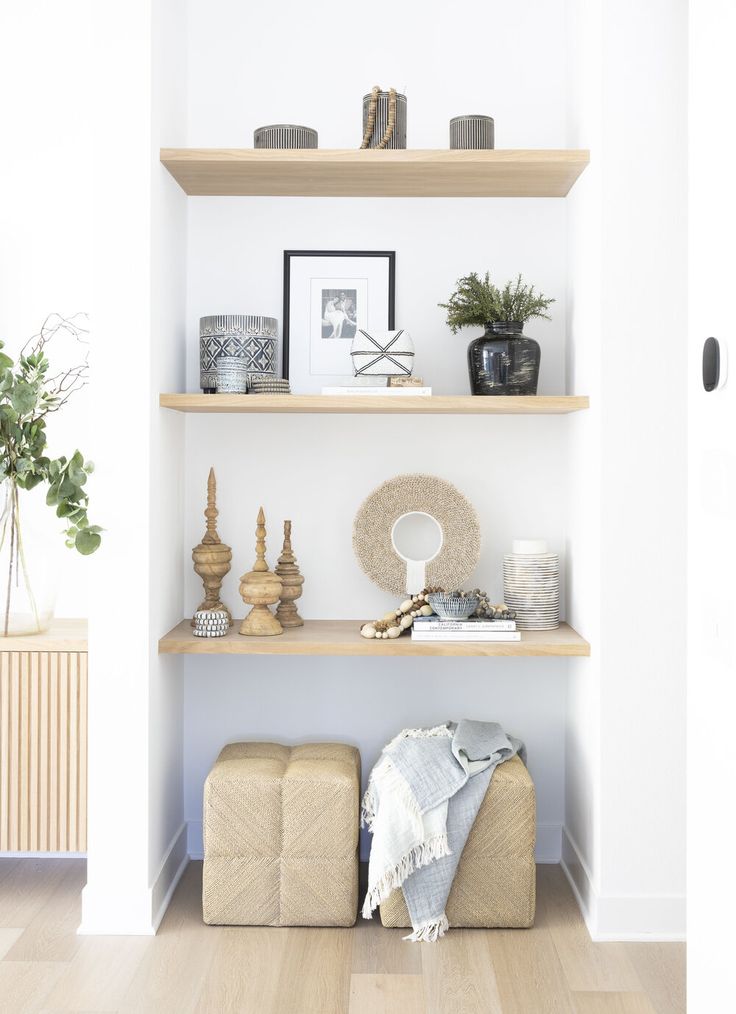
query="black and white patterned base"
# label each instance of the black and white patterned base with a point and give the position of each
(251, 338)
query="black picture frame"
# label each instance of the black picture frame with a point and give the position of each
(389, 255)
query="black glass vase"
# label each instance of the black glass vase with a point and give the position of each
(504, 360)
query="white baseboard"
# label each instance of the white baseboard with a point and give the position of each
(122, 912)
(172, 867)
(621, 917)
(43, 855)
(548, 850)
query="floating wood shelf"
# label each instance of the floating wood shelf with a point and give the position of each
(342, 637)
(234, 172)
(370, 404)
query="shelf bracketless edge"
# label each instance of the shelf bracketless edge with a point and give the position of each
(524, 172)
(375, 404)
(342, 637)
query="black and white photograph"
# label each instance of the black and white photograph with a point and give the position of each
(329, 296)
(339, 314)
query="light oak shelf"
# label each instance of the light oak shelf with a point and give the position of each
(342, 637)
(365, 404)
(391, 173)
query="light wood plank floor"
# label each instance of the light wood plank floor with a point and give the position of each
(190, 968)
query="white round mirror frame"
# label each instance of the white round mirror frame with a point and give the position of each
(416, 568)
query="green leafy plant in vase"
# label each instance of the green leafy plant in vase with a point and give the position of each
(503, 360)
(29, 393)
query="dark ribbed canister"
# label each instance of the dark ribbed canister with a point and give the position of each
(284, 135)
(471, 132)
(398, 138)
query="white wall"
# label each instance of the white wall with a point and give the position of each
(712, 505)
(46, 217)
(251, 65)
(167, 836)
(316, 470)
(136, 846)
(626, 816)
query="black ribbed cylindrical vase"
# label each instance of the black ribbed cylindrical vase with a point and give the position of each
(504, 360)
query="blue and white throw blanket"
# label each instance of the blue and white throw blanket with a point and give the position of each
(423, 796)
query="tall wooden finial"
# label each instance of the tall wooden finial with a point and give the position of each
(211, 537)
(260, 588)
(288, 571)
(212, 557)
(260, 566)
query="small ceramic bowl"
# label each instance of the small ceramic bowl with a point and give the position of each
(453, 607)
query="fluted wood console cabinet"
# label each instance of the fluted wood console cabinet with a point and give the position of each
(43, 740)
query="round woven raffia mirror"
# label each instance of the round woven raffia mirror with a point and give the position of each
(416, 530)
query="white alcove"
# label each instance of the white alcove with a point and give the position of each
(553, 79)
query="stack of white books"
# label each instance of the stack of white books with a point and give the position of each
(383, 391)
(433, 628)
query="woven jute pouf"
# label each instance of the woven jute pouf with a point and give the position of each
(281, 835)
(495, 883)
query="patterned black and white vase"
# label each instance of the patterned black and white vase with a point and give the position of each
(504, 360)
(251, 338)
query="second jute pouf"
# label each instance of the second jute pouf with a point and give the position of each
(281, 835)
(495, 882)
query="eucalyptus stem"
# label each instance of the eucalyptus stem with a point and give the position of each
(10, 565)
(22, 557)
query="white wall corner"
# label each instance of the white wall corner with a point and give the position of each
(549, 843)
(195, 846)
(645, 918)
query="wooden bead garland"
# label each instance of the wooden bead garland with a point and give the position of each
(394, 624)
(371, 122)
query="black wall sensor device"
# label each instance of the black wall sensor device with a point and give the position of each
(711, 364)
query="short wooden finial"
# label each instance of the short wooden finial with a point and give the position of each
(260, 588)
(292, 580)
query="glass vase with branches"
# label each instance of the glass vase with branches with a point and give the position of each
(30, 392)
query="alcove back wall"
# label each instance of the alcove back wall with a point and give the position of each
(312, 64)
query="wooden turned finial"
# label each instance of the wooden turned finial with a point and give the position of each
(260, 565)
(211, 537)
(260, 588)
(292, 581)
(212, 557)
